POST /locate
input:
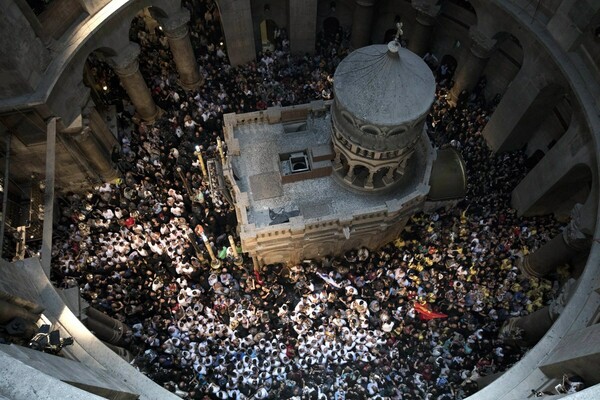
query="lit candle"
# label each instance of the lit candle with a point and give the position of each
(209, 248)
(233, 248)
(201, 161)
(220, 147)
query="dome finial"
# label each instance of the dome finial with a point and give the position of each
(399, 33)
(394, 45)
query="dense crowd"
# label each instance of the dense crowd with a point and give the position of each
(416, 319)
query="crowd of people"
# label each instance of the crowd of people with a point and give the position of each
(417, 319)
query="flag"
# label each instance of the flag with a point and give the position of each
(329, 280)
(425, 313)
(257, 275)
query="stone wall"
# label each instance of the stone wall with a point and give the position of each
(23, 61)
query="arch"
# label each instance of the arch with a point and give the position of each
(464, 4)
(572, 188)
(344, 163)
(534, 158)
(371, 130)
(535, 114)
(268, 31)
(360, 175)
(466, 7)
(157, 12)
(101, 79)
(504, 64)
(331, 27)
(378, 176)
(447, 66)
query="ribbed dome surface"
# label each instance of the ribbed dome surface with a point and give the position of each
(384, 87)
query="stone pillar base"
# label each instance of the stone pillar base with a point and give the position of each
(152, 119)
(526, 269)
(191, 86)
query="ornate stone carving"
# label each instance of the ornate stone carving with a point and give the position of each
(85, 134)
(481, 44)
(176, 26)
(427, 11)
(558, 305)
(126, 61)
(175, 22)
(572, 234)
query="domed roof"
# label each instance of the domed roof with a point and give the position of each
(384, 85)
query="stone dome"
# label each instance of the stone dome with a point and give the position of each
(384, 85)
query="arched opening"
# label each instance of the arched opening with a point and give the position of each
(504, 64)
(331, 27)
(268, 33)
(533, 159)
(543, 121)
(39, 6)
(344, 163)
(464, 4)
(206, 29)
(105, 89)
(378, 181)
(360, 175)
(156, 12)
(552, 127)
(574, 187)
(445, 68)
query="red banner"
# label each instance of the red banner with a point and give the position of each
(425, 313)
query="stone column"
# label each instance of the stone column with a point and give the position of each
(106, 328)
(178, 34)
(559, 250)
(362, 19)
(529, 329)
(527, 102)
(236, 18)
(128, 69)
(350, 174)
(369, 182)
(302, 26)
(422, 30)
(472, 66)
(388, 179)
(93, 153)
(402, 165)
(337, 162)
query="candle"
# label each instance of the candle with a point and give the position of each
(201, 161)
(233, 248)
(220, 147)
(209, 248)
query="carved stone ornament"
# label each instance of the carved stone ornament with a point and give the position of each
(481, 44)
(126, 62)
(572, 234)
(558, 305)
(427, 10)
(176, 26)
